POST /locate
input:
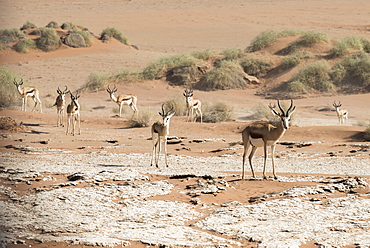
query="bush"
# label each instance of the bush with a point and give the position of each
(232, 54)
(8, 93)
(85, 35)
(127, 76)
(115, 33)
(255, 66)
(96, 81)
(267, 37)
(296, 87)
(179, 105)
(306, 40)
(217, 112)
(10, 35)
(227, 75)
(24, 45)
(204, 55)
(262, 40)
(355, 70)
(159, 68)
(28, 25)
(357, 43)
(315, 75)
(293, 60)
(143, 118)
(49, 40)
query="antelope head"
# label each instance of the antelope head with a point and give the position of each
(167, 115)
(284, 116)
(337, 105)
(18, 84)
(112, 91)
(64, 92)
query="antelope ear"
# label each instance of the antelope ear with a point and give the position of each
(184, 94)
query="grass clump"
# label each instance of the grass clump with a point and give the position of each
(352, 70)
(217, 112)
(306, 40)
(226, 75)
(49, 40)
(24, 45)
(293, 60)
(28, 25)
(255, 66)
(232, 54)
(262, 40)
(358, 43)
(142, 118)
(8, 93)
(204, 55)
(159, 68)
(96, 82)
(315, 76)
(179, 105)
(267, 37)
(127, 76)
(10, 35)
(115, 33)
(85, 35)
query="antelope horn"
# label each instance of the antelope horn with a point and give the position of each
(290, 108)
(281, 109)
(59, 91)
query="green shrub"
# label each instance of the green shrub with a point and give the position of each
(85, 35)
(315, 75)
(24, 45)
(355, 70)
(96, 81)
(217, 112)
(306, 40)
(8, 93)
(232, 54)
(115, 33)
(179, 105)
(10, 35)
(227, 75)
(354, 42)
(255, 66)
(267, 37)
(204, 55)
(127, 76)
(159, 68)
(28, 25)
(296, 87)
(293, 60)
(262, 40)
(49, 40)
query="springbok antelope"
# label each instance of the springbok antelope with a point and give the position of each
(264, 135)
(160, 130)
(60, 102)
(193, 104)
(32, 92)
(73, 113)
(129, 100)
(341, 113)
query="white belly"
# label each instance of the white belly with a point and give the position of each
(260, 143)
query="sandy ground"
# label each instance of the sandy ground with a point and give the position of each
(317, 150)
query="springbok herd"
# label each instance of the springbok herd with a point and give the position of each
(258, 134)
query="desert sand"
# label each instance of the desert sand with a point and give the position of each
(199, 200)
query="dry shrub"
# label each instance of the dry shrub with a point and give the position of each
(217, 112)
(227, 75)
(24, 45)
(8, 93)
(179, 105)
(49, 40)
(142, 118)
